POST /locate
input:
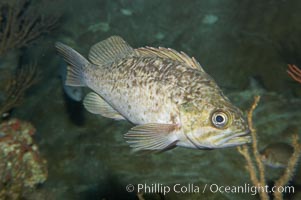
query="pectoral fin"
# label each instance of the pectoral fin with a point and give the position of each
(152, 136)
(96, 105)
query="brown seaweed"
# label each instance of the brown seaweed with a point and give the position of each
(17, 85)
(20, 24)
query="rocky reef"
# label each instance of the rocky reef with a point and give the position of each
(21, 166)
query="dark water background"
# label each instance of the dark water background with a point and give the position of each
(233, 41)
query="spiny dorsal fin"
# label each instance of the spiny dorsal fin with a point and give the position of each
(110, 50)
(96, 105)
(171, 54)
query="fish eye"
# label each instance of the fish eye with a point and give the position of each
(219, 119)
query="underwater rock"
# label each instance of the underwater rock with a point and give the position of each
(21, 166)
(101, 26)
(210, 19)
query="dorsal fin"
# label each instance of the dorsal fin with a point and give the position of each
(109, 50)
(170, 54)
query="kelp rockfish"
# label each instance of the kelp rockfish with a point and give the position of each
(165, 93)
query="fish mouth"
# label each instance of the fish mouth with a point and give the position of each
(238, 141)
(244, 133)
(223, 139)
(239, 138)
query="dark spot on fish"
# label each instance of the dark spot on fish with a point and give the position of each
(134, 83)
(172, 118)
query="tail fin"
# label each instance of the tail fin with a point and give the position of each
(76, 64)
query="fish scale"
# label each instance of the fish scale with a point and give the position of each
(116, 91)
(165, 93)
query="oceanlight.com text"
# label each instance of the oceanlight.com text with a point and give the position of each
(213, 188)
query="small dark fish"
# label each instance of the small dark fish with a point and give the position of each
(277, 155)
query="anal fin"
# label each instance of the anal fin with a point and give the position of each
(96, 105)
(156, 137)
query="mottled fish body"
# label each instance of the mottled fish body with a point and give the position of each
(167, 94)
